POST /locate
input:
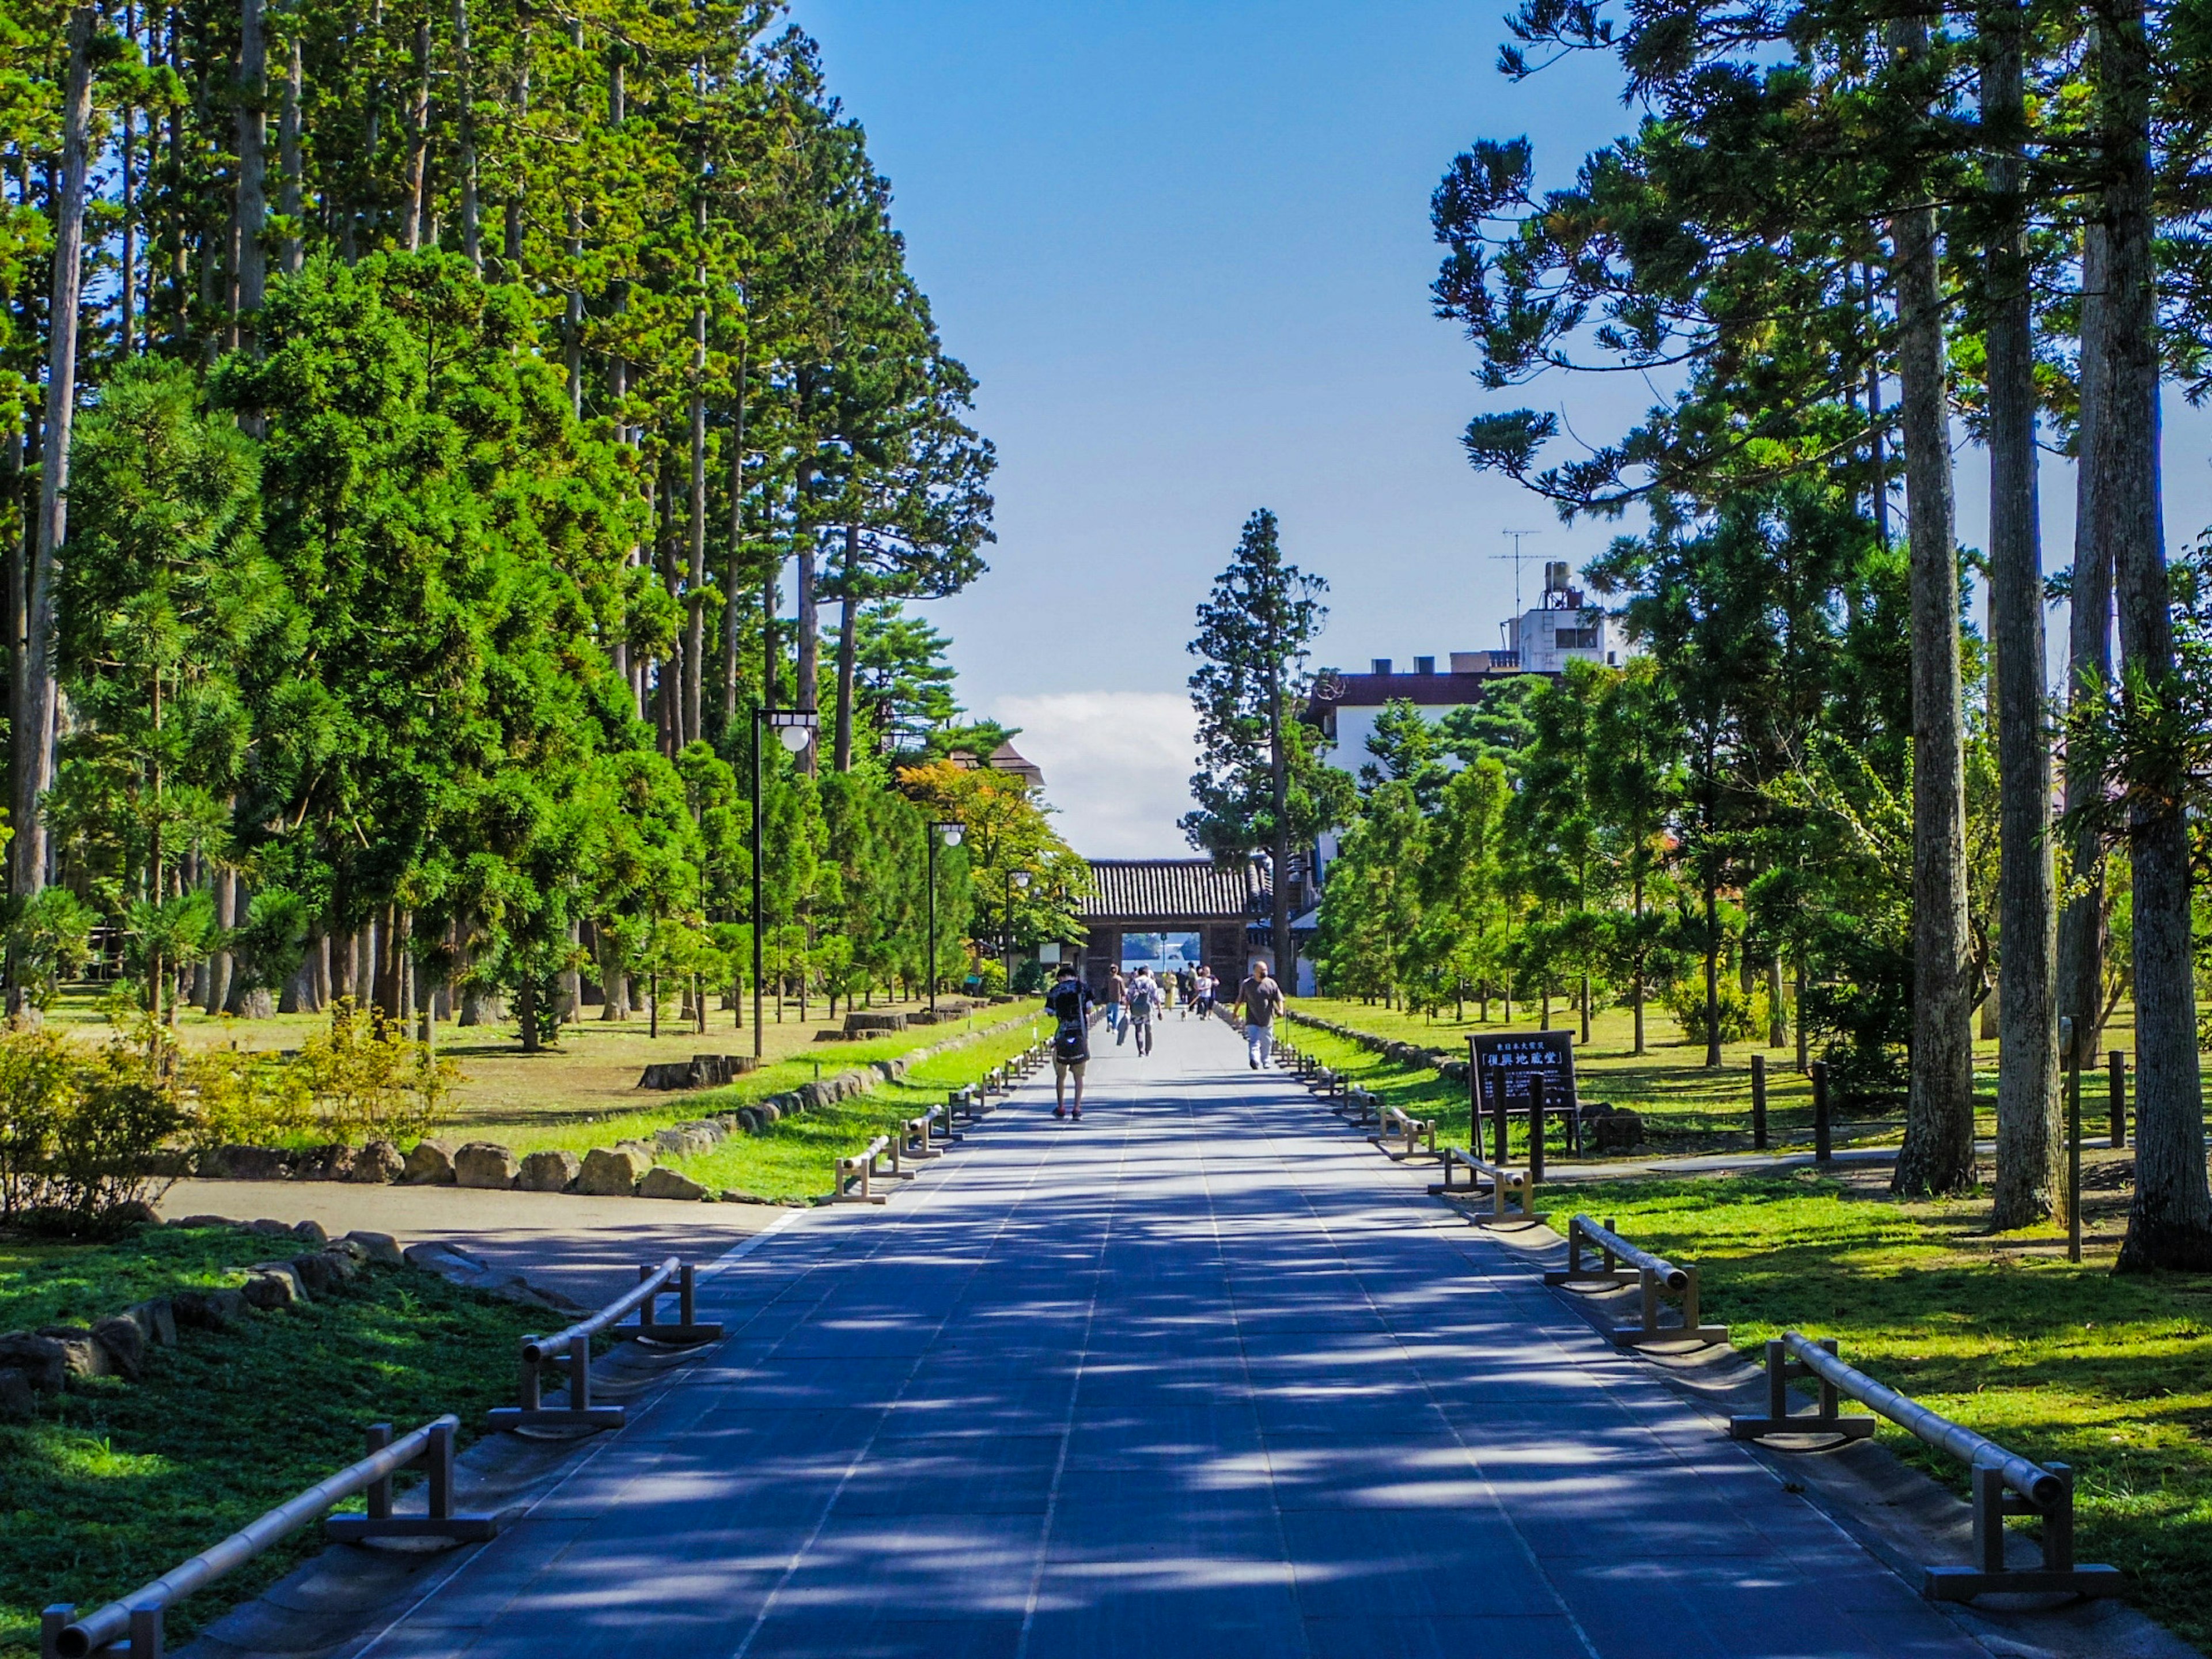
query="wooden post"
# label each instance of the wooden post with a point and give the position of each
(1497, 1116)
(2118, 1074)
(1822, 1150)
(1758, 1102)
(1536, 1128)
(2071, 1051)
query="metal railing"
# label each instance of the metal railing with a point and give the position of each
(2003, 1482)
(1505, 1182)
(1398, 1124)
(1653, 1275)
(131, 1625)
(575, 1344)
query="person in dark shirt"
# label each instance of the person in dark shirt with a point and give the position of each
(1069, 1003)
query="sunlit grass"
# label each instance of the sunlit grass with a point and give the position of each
(2057, 1361)
(115, 1483)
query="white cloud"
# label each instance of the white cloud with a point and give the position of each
(1117, 765)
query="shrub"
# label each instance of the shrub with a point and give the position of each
(52, 940)
(81, 1134)
(1741, 1017)
(366, 1079)
(232, 1099)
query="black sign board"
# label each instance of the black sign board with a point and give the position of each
(1517, 1056)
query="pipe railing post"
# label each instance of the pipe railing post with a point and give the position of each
(645, 1309)
(438, 1461)
(1823, 1147)
(580, 1373)
(52, 1622)
(376, 1438)
(687, 1291)
(1758, 1102)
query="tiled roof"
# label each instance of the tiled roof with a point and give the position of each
(1180, 889)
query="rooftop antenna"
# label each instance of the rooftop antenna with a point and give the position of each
(1516, 556)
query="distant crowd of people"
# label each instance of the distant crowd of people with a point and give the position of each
(1132, 1002)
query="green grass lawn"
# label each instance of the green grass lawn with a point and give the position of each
(1685, 1107)
(2056, 1361)
(114, 1483)
(793, 1156)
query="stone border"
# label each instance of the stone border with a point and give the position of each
(628, 1169)
(34, 1363)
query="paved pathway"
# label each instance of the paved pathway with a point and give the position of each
(1205, 1375)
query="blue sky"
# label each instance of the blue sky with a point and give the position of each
(1186, 250)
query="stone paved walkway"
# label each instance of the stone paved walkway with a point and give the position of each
(1205, 1375)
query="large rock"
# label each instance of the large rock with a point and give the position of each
(269, 1227)
(684, 1140)
(612, 1171)
(219, 1309)
(39, 1360)
(1616, 1131)
(133, 1213)
(548, 1172)
(247, 1164)
(378, 1163)
(80, 1355)
(18, 1404)
(458, 1267)
(486, 1163)
(380, 1247)
(197, 1221)
(311, 1231)
(273, 1285)
(666, 1183)
(123, 1345)
(430, 1165)
(156, 1321)
(331, 1162)
(318, 1272)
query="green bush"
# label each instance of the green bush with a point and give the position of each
(1742, 1017)
(81, 1134)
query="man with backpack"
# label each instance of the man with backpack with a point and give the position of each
(1117, 1006)
(1068, 1002)
(1143, 1003)
(1261, 999)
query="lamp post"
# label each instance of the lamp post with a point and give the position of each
(794, 729)
(1017, 881)
(950, 835)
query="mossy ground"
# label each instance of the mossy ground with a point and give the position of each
(114, 1483)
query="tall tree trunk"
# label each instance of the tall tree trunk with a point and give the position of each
(252, 127)
(418, 141)
(511, 242)
(34, 737)
(126, 148)
(288, 155)
(810, 637)
(1938, 1154)
(695, 631)
(2029, 1181)
(464, 71)
(2089, 670)
(219, 963)
(849, 613)
(733, 574)
(2170, 1221)
(1278, 791)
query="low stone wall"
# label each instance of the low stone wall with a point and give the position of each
(43, 1361)
(627, 1169)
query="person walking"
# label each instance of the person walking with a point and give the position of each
(1069, 1003)
(1261, 999)
(1185, 990)
(1117, 1006)
(1202, 990)
(1143, 1003)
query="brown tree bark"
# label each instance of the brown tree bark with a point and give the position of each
(848, 614)
(1938, 1154)
(2082, 924)
(810, 639)
(252, 131)
(35, 736)
(418, 141)
(2170, 1219)
(733, 574)
(288, 164)
(2030, 1182)
(694, 629)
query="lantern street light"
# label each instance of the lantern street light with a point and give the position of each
(950, 835)
(794, 729)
